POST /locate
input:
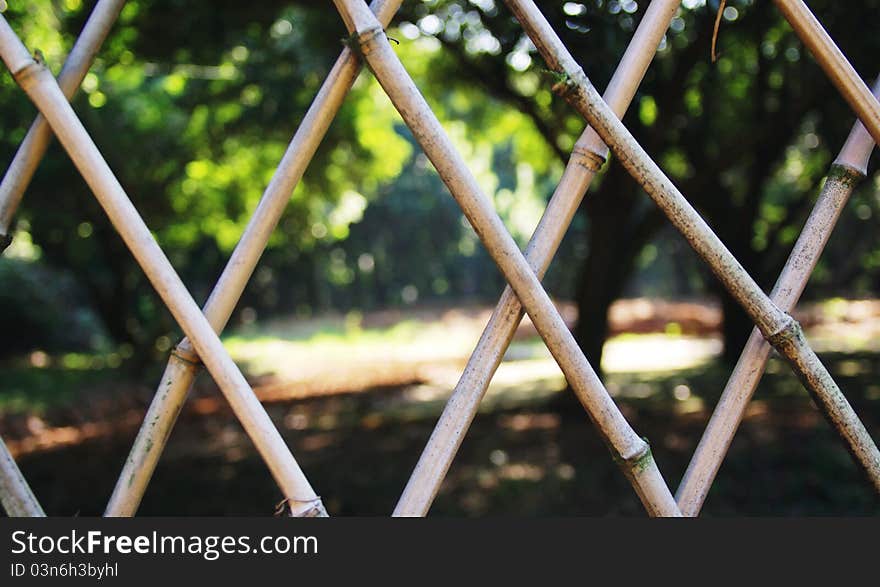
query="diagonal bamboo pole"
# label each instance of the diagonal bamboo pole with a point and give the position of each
(845, 173)
(43, 90)
(780, 329)
(15, 494)
(35, 143)
(841, 73)
(631, 451)
(587, 156)
(183, 364)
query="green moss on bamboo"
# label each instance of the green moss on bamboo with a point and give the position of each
(844, 174)
(640, 463)
(562, 81)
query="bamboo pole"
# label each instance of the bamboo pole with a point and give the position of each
(35, 143)
(42, 88)
(183, 363)
(780, 329)
(631, 451)
(847, 171)
(15, 494)
(587, 156)
(832, 60)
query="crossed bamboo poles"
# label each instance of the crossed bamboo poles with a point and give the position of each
(847, 171)
(180, 372)
(587, 156)
(182, 369)
(589, 152)
(183, 364)
(780, 329)
(462, 406)
(42, 88)
(630, 451)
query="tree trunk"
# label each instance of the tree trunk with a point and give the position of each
(735, 327)
(619, 228)
(598, 287)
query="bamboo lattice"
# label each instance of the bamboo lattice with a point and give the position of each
(523, 270)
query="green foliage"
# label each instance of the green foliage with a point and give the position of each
(194, 106)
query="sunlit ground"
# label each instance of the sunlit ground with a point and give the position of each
(356, 398)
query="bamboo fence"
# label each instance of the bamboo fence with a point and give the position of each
(775, 329)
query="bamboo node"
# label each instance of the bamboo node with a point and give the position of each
(845, 174)
(639, 459)
(643, 460)
(28, 72)
(586, 157)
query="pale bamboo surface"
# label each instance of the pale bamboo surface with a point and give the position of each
(847, 171)
(588, 155)
(183, 362)
(838, 69)
(780, 329)
(15, 494)
(630, 450)
(33, 147)
(43, 90)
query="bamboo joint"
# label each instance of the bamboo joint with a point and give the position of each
(587, 158)
(848, 175)
(27, 73)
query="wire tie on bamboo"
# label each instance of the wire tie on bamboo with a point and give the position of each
(187, 355)
(315, 507)
(362, 43)
(788, 330)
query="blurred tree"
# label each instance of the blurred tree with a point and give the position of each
(193, 105)
(746, 139)
(193, 110)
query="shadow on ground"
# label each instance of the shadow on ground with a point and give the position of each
(526, 454)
